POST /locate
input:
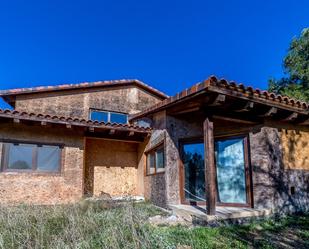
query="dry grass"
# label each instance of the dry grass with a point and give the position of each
(112, 225)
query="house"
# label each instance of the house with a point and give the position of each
(215, 144)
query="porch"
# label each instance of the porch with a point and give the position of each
(198, 214)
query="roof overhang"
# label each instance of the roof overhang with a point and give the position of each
(229, 100)
(88, 128)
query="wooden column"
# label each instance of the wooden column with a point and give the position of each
(210, 169)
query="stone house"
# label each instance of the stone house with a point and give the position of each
(216, 144)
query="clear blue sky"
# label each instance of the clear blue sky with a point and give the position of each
(167, 44)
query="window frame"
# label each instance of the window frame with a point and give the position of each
(153, 151)
(248, 169)
(108, 114)
(34, 167)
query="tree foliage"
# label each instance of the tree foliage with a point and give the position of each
(296, 69)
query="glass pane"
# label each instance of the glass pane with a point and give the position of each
(119, 118)
(20, 156)
(151, 163)
(231, 171)
(160, 160)
(49, 158)
(193, 160)
(99, 116)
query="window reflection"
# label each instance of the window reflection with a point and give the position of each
(193, 159)
(231, 171)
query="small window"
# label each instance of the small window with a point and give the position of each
(99, 116)
(105, 116)
(31, 157)
(155, 161)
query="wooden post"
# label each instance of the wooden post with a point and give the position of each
(210, 169)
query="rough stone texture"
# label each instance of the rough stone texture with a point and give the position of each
(272, 179)
(295, 147)
(164, 189)
(76, 103)
(111, 168)
(44, 188)
(272, 182)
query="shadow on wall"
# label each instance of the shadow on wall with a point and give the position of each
(287, 189)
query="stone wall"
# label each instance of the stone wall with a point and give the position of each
(163, 189)
(76, 103)
(44, 188)
(111, 167)
(274, 185)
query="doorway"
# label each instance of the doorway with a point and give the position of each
(233, 176)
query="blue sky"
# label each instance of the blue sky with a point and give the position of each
(167, 44)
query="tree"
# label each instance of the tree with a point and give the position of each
(296, 68)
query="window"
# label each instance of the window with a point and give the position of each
(31, 157)
(155, 161)
(106, 116)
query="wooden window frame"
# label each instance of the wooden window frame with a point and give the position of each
(248, 170)
(108, 114)
(5, 157)
(153, 151)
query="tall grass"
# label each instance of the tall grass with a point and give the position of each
(77, 226)
(112, 225)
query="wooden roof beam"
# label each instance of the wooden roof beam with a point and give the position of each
(291, 117)
(112, 132)
(271, 112)
(219, 100)
(247, 107)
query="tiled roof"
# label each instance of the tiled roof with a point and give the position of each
(213, 84)
(84, 85)
(15, 115)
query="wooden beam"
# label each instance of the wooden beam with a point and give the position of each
(219, 100)
(291, 117)
(305, 122)
(16, 120)
(131, 133)
(271, 112)
(210, 168)
(247, 107)
(194, 109)
(235, 120)
(112, 132)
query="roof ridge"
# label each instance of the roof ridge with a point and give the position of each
(86, 84)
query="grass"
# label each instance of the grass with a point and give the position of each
(109, 225)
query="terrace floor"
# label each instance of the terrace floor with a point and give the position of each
(188, 212)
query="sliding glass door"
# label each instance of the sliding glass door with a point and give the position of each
(232, 172)
(194, 172)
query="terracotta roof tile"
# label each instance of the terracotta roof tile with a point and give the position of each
(13, 114)
(136, 82)
(213, 84)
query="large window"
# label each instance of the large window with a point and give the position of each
(106, 116)
(31, 157)
(155, 161)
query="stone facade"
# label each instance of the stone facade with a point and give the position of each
(274, 185)
(44, 188)
(116, 167)
(280, 181)
(76, 103)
